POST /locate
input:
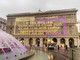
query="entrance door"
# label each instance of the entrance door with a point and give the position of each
(71, 42)
(45, 42)
(22, 40)
(38, 42)
(30, 42)
(62, 41)
(54, 40)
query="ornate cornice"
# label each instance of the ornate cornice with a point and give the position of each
(40, 13)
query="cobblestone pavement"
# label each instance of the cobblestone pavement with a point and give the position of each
(39, 55)
(63, 54)
(71, 53)
(47, 55)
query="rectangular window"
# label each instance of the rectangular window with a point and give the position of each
(28, 22)
(62, 30)
(70, 29)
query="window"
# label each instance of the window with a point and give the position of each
(11, 22)
(10, 28)
(10, 32)
(70, 29)
(62, 32)
(28, 22)
(44, 33)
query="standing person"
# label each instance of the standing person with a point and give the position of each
(58, 47)
(66, 48)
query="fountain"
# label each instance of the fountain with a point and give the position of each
(9, 46)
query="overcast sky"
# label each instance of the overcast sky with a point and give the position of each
(22, 6)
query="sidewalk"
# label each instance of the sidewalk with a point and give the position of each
(68, 53)
(65, 53)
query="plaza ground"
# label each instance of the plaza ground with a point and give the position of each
(61, 54)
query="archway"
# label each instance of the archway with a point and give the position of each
(38, 42)
(54, 40)
(71, 42)
(45, 42)
(62, 41)
(22, 40)
(30, 42)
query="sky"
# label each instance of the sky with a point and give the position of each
(22, 6)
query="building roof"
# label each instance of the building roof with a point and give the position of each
(2, 20)
(40, 12)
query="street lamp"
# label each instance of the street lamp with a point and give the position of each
(72, 54)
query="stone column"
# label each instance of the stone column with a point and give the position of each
(67, 42)
(76, 41)
(34, 41)
(27, 41)
(24, 42)
(58, 41)
(41, 42)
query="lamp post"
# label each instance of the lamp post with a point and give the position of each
(72, 54)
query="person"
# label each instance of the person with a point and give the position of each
(58, 47)
(66, 48)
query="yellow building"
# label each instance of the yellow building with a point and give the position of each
(40, 28)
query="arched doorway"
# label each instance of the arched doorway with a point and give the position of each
(71, 42)
(38, 42)
(22, 40)
(30, 42)
(45, 42)
(54, 40)
(62, 41)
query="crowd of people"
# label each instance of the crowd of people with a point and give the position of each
(65, 47)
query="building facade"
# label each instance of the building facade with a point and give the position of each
(40, 28)
(2, 24)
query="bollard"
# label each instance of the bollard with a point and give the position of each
(72, 54)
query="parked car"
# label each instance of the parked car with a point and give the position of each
(50, 46)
